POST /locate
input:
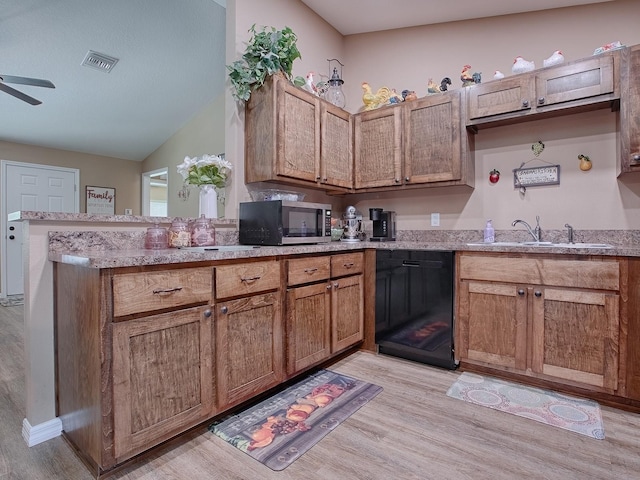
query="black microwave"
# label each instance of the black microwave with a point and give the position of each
(283, 222)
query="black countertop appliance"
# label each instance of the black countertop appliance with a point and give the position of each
(384, 225)
(414, 305)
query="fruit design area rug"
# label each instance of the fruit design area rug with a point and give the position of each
(575, 414)
(280, 429)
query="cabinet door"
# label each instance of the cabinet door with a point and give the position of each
(575, 336)
(298, 140)
(336, 140)
(162, 378)
(564, 83)
(493, 324)
(432, 151)
(347, 312)
(308, 326)
(502, 96)
(249, 350)
(630, 111)
(378, 148)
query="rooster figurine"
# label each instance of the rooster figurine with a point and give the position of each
(466, 77)
(520, 65)
(374, 100)
(498, 75)
(409, 95)
(554, 59)
(309, 85)
(432, 87)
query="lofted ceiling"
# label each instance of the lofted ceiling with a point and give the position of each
(171, 62)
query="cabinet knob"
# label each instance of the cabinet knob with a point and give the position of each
(12, 237)
(324, 179)
(318, 177)
(537, 293)
(328, 287)
(207, 313)
(521, 292)
(635, 158)
(336, 285)
(397, 180)
(541, 101)
(224, 309)
(407, 179)
(525, 103)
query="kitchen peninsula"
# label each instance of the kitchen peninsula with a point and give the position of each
(91, 253)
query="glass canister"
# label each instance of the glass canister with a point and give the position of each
(179, 233)
(203, 234)
(156, 237)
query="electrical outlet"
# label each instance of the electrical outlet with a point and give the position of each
(128, 211)
(435, 219)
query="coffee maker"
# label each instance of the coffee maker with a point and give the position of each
(384, 225)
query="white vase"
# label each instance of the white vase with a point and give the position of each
(208, 201)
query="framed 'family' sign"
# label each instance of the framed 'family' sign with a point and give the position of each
(101, 200)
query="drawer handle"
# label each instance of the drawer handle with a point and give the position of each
(310, 270)
(168, 290)
(251, 279)
(348, 265)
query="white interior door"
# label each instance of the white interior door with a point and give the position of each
(31, 187)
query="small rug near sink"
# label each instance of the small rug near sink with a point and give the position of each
(575, 414)
(280, 429)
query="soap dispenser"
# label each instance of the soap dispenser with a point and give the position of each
(489, 233)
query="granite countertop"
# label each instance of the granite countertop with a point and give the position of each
(98, 258)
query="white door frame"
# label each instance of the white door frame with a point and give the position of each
(3, 209)
(146, 189)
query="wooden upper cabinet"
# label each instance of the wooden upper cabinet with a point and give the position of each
(561, 89)
(294, 137)
(629, 160)
(432, 142)
(378, 148)
(505, 96)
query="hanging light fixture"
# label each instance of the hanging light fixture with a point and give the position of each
(334, 93)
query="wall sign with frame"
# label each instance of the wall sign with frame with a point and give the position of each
(101, 200)
(536, 176)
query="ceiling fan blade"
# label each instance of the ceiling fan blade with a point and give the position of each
(36, 82)
(20, 95)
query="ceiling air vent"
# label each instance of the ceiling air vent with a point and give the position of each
(99, 61)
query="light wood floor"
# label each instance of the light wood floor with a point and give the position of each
(411, 430)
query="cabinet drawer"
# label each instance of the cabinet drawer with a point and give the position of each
(247, 278)
(347, 264)
(147, 291)
(602, 275)
(306, 270)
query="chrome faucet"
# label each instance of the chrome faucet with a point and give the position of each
(536, 233)
(569, 232)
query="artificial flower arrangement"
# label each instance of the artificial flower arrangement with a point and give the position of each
(205, 170)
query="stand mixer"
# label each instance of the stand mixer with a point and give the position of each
(352, 221)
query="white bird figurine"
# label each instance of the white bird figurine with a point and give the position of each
(309, 85)
(520, 65)
(554, 59)
(498, 75)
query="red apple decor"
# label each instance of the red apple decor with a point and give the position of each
(494, 176)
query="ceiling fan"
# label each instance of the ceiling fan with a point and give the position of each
(35, 82)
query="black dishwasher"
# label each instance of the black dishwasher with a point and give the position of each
(414, 305)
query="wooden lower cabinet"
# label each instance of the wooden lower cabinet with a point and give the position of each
(325, 317)
(561, 325)
(162, 371)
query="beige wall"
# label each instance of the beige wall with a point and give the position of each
(96, 170)
(407, 58)
(203, 134)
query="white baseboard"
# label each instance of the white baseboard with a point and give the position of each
(42, 432)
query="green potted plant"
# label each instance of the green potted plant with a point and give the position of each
(268, 52)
